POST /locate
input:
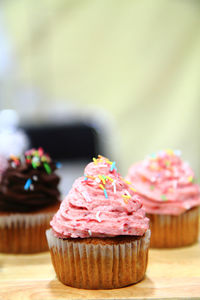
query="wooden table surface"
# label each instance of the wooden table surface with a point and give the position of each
(170, 274)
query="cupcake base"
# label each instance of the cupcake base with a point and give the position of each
(99, 263)
(22, 233)
(169, 231)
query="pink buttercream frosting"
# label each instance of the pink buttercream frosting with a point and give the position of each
(100, 204)
(165, 183)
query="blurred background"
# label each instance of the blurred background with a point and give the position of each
(120, 78)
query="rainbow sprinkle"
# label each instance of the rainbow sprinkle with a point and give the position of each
(13, 164)
(125, 201)
(101, 186)
(126, 196)
(114, 186)
(102, 179)
(113, 166)
(86, 196)
(91, 177)
(163, 197)
(95, 160)
(58, 165)
(34, 165)
(133, 189)
(126, 181)
(31, 187)
(105, 193)
(104, 190)
(167, 163)
(35, 178)
(47, 168)
(109, 162)
(190, 179)
(97, 216)
(127, 193)
(169, 152)
(109, 178)
(15, 159)
(40, 151)
(27, 184)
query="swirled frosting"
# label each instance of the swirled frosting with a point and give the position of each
(166, 183)
(100, 204)
(29, 182)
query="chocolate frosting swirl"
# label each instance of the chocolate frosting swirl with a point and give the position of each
(29, 183)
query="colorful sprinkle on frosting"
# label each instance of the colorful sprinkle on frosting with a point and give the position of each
(163, 197)
(35, 158)
(105, 180)
(27, 184)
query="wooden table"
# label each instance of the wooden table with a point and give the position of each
(170, 274)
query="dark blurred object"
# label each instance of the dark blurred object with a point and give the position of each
(77, 141)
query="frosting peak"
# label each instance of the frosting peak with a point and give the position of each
(166, 183)
(101, 203)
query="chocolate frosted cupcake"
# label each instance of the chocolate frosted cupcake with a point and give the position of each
(100, 235)
(170, 197)
(29, 197)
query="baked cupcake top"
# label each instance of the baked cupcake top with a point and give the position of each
(29, 182)
(100, 204)
(166, 183)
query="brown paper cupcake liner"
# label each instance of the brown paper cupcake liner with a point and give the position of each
(94, 263)
(24, 233)
(169, 231)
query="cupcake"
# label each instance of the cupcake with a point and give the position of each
(170, 197)
(100, 236)
(29, 197)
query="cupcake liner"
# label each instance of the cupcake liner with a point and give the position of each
(24, 233)
(169, 231)
(96, 265)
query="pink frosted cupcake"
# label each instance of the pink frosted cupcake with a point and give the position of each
(100, 235)
(170, 197)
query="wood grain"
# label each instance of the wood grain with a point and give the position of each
(170, 274)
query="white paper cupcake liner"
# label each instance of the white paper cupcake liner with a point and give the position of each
(24, 233)
(96, 265)
(169, 231)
